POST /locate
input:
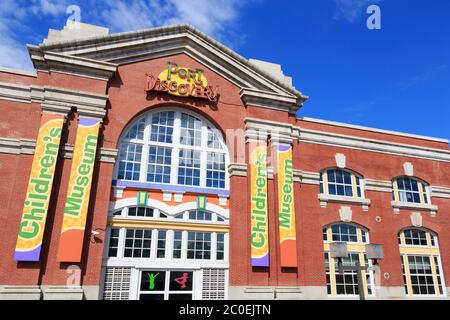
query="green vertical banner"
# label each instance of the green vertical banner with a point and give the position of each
(201, 202)
(142, 197)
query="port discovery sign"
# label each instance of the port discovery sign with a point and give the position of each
(182, 82)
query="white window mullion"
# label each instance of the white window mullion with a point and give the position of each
(121, 245)
(154, 244)
(175, 149)
(213, 256)
(203, 155)
(145, 149)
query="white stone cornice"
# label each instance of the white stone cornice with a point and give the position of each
(15, 92)
(324, 199)
(237, 169)
(57, 100)
(265, 99)
(440, 192)
(397, 205)
(27, 146)
(307, 177)
(279, 132)
(377, 185)
(17, 146)
(57, 62)
(366, 144)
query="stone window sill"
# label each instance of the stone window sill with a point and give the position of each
(324, 199)
(397, 205)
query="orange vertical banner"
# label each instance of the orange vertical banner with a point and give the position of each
(77, 200)
(286, 208)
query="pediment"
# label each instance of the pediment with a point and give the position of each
(102, 54)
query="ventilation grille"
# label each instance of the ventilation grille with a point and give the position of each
(213, 284)
(117, 284)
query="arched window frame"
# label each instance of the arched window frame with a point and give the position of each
(423, 190)
(420, 254)
(207, 131)
(355, 178)
(358, 248)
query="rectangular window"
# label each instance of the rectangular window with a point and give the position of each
(130, 161)
(113, 242)
(215, 170)
(421, 275)
(171, 285)
(220, 247)
(199, 245)
(177, 244)
(190, 131)
(347, 283)
(159, 164)
(189, 167)
(137, 243)
(161, 250)
(327, 271)
(140, 212)
(162, 127)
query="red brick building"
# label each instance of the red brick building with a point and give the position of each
(159, 164)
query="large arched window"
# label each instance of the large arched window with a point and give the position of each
(172, 146)
(412, 190)
(339, 182)
(356, 238)
(421, 262)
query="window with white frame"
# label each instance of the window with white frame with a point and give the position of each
(166, 285)
(340, 182)
(173, 147)
(347, 283)
(156, 244)
(407, 189)
(421, 262)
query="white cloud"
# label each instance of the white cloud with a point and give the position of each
(352, 10)
(216, 17)
(13, 53)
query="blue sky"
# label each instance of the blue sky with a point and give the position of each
(396, 78)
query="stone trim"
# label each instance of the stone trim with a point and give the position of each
(307, 177)
(57, 62)
(324, 199)
(353, 142)
(62, 293)
(377, 185)
(26, 73)
(440, 192)
(237, 169)
(279, 132)
(20, 292)
(27, 146)
(17, 146)
(397, 205)
(265, 99)
(139, 45)
(57, 100)
(363, 128)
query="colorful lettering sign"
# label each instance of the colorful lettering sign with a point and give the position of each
(258, 199)
(77, 200)
(142, 197)
(286, 210)
(34, 216)
(182, 82)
